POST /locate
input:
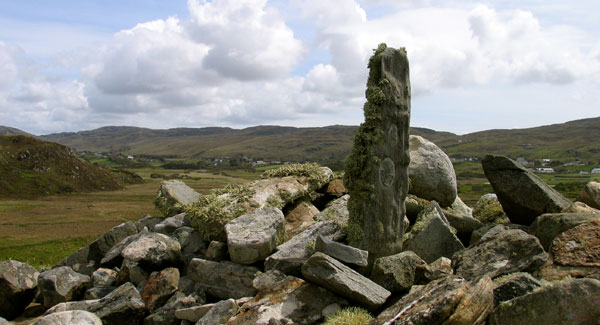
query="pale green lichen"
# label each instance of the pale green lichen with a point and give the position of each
(212, 212)
(167, 205)
(312, 171)
(349, 316)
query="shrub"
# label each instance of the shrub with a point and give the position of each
(349, 316)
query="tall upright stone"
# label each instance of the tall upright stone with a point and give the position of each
(377, 168)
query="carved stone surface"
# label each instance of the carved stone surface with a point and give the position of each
(377, 169)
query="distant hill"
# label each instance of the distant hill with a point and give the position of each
(576, 139)
(6, 130)
(30, 167)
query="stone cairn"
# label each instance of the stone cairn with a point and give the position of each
(377, 169)
(275, 250)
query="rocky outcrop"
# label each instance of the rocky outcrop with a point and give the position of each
(396, 273)
(18, 287)
(431, 172)
(173, 196)
(62, 284)
(223, 280)
(254, 236)
(500, 252)
(569, 302)
(523, 195)
(547, 226)
(431, 236)
(335, 276)
(590, 195)
(450, 300)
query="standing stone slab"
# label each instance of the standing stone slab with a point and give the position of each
(431, 173)
(523, 195)
(18, 286)
(254, 236)
(377, 168)
(335, 276)
(173, 196)
(223, 280)
(62, 284)
(570, 302)
(431, 236)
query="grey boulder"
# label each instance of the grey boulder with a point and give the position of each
(173, 196)
(514, 285)
(223, 280)
(348, 255)
(335, 276)
(523, 195)
(590, 195)
(72, 317)
(220, 313)
(153, 250)
(431, 174)
(18, 286)
(254, 236)
(549, 225)
(62, 284)
(396, 273)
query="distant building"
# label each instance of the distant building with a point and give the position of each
(544, 170)
(130, 157)
(584, 172)
(595, 171)
(524, 162)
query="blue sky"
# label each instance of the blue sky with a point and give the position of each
(78, 65)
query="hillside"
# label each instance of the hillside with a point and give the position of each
(5, 130)
(30, 167)
(575, 139)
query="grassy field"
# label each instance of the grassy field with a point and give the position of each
(42, 231)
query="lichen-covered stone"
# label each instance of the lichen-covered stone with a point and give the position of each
(159, 287)
(549, 225)
(173, 196)
(254, 236)
(489, 210)
(153, 250)
(220, 313)
(79, 317)
(348, 255)
(299, 217)
(523, 195)
(18, 286)
(579, 246)
(223, 280)
(397, 272)
(376, 171)
(590, 194)
(62, 284)
(514, 285)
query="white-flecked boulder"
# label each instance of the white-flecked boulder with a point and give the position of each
(173, 196)
(329, 273)
(254, 236)
(153, 250)
(18, 286)
(72, 317)
(62, 284)
(220, 313)
(431, 174)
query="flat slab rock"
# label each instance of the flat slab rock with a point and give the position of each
(579, 246)
(62, 284)
(500, 252)
(570, 302)
(450, 300)
(335, 276)
(523, 195)
(346, 254)
(173, 196)
(254, 236)
(222, 279)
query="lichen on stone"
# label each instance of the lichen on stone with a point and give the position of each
(312, 171)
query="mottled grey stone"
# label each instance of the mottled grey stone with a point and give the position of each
(62, 284)
(153, 250)
(103, 277)
(18, 286)
(335, 276)
(223, 280)
(173, 196)
(397, 272)
(220, 313)
(376, 171)
(348, 255)
(549, 225)
(72, 317)
(514, 285)
(190, 239)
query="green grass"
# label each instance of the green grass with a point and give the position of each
(42, 254)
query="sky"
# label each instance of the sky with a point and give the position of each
(474, 65)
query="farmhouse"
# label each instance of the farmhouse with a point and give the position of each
(595, 171)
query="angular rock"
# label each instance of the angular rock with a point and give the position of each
(216, 251)
(299, 218)
(514, 285)
(122, 306)
(113, 257)
(147, 221)
(580, 207)
(193, 314)
(498, 253)
(254, 236)
(431, 236)
(431, 173)
(190, 287)
(288, 300)
(479, 233)
(97, 292)
(523, 195)
(173, 196)
(590, 195)
(190, 239)
(79, 317)
(336, 210)
(159, 287)
(376, 171)
(153, 250)
(292, 254)
(266, 281)
(549, 225)
(450, 300)
(489, 210)
(335, 276)
(131, 271)
(220, 313)
(18, 287)
(554, 272)
(103, 277)
(348, 255)
(336, 188)
(223, 280)
(569, 302)
(87, 259)
(579, 246)
(460, 217)
(438, 269)
(62, 284)
(396, 273)
(166, 314)
(169, 225)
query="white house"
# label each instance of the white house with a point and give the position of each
(595, 171)
(545, 170)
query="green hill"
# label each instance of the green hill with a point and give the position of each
(571, 140)
(30, 167)
(5, 130)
